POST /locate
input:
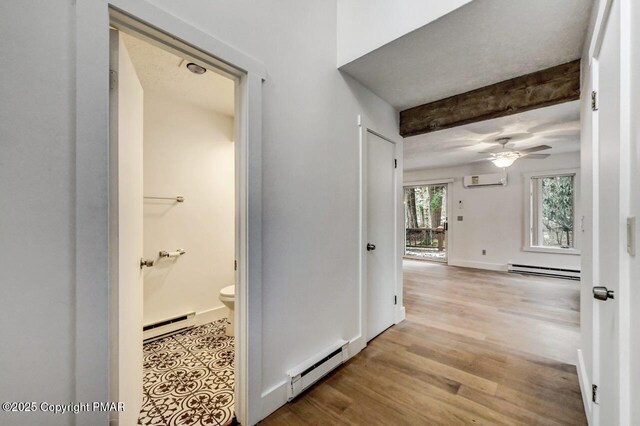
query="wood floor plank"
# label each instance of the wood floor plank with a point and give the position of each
(477, 347)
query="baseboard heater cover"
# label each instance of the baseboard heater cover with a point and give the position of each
(568, 274)
(310, 371)
(168, 326)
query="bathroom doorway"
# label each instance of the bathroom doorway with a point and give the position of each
(174, 201)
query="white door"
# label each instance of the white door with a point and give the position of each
(381, 249)
(126, 124)
(607, 238)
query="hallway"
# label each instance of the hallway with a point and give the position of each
(477, 347)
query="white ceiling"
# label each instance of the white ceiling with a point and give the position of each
(481, 43)
(164, 72)
(557, 126)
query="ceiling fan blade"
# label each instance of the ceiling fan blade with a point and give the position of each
(536, 156)
(534, 149)
(494, 150)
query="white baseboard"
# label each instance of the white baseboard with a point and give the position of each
(273, 399)
(276, 397)
(211, 315)
(199, 318)
(585, 387)
(478, 265)
(356, 345)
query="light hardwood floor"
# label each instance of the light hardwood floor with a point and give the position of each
(477, 347)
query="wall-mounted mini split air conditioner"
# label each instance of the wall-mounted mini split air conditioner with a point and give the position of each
(491, 179)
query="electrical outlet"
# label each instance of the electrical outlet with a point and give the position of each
(484, 252)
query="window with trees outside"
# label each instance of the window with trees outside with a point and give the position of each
(552, 212)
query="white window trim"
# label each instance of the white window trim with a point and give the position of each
(576, 215)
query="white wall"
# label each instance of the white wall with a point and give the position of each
(493, 217)
(37, 171)
(310, 146)
(310, 173)
(188, 151)
(365, 25)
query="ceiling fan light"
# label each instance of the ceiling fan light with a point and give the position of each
(503, 162)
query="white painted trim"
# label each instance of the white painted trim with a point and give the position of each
(479, 265)
(273, 399)
(277, 395)
(145, 15)
(595, 246)
(553, 250)
(427, 182)
(91, 147)
(211, 315)
(585, 385)
(625, 167)
(401, 315)
(604, 6)
(576, 212)
(92, 378)
(199, 318)
(624, 315)
(364, 128)
(449, 184)
(450, 222)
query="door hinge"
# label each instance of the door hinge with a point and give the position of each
(395, 163)
(594, 101)
(395, 300)
(594, 393)
(235, 265)
(113, 79)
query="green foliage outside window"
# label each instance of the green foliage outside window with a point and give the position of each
(558, 211)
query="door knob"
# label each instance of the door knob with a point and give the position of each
(146, 262)
(602, 293)
(371, 247)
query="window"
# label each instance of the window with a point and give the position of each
(551, 212)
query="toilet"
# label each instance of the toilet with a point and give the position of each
(227, 296)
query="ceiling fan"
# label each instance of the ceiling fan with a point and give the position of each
(504, 157)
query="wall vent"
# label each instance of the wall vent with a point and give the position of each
(568, 274)
(310, 371)
(168, 326)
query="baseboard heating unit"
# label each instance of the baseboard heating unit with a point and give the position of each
(568, 274)
(168, 326)
(310, 371)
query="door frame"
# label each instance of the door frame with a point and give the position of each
(623, 296)
(94, 314)
(364, 129)
(437, 182)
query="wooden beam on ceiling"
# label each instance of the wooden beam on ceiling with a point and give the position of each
(540, 89)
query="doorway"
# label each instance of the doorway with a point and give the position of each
(426, 222)
(380, 257)
(380, 248)
(176, 206)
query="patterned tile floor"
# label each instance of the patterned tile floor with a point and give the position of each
(189, 378)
